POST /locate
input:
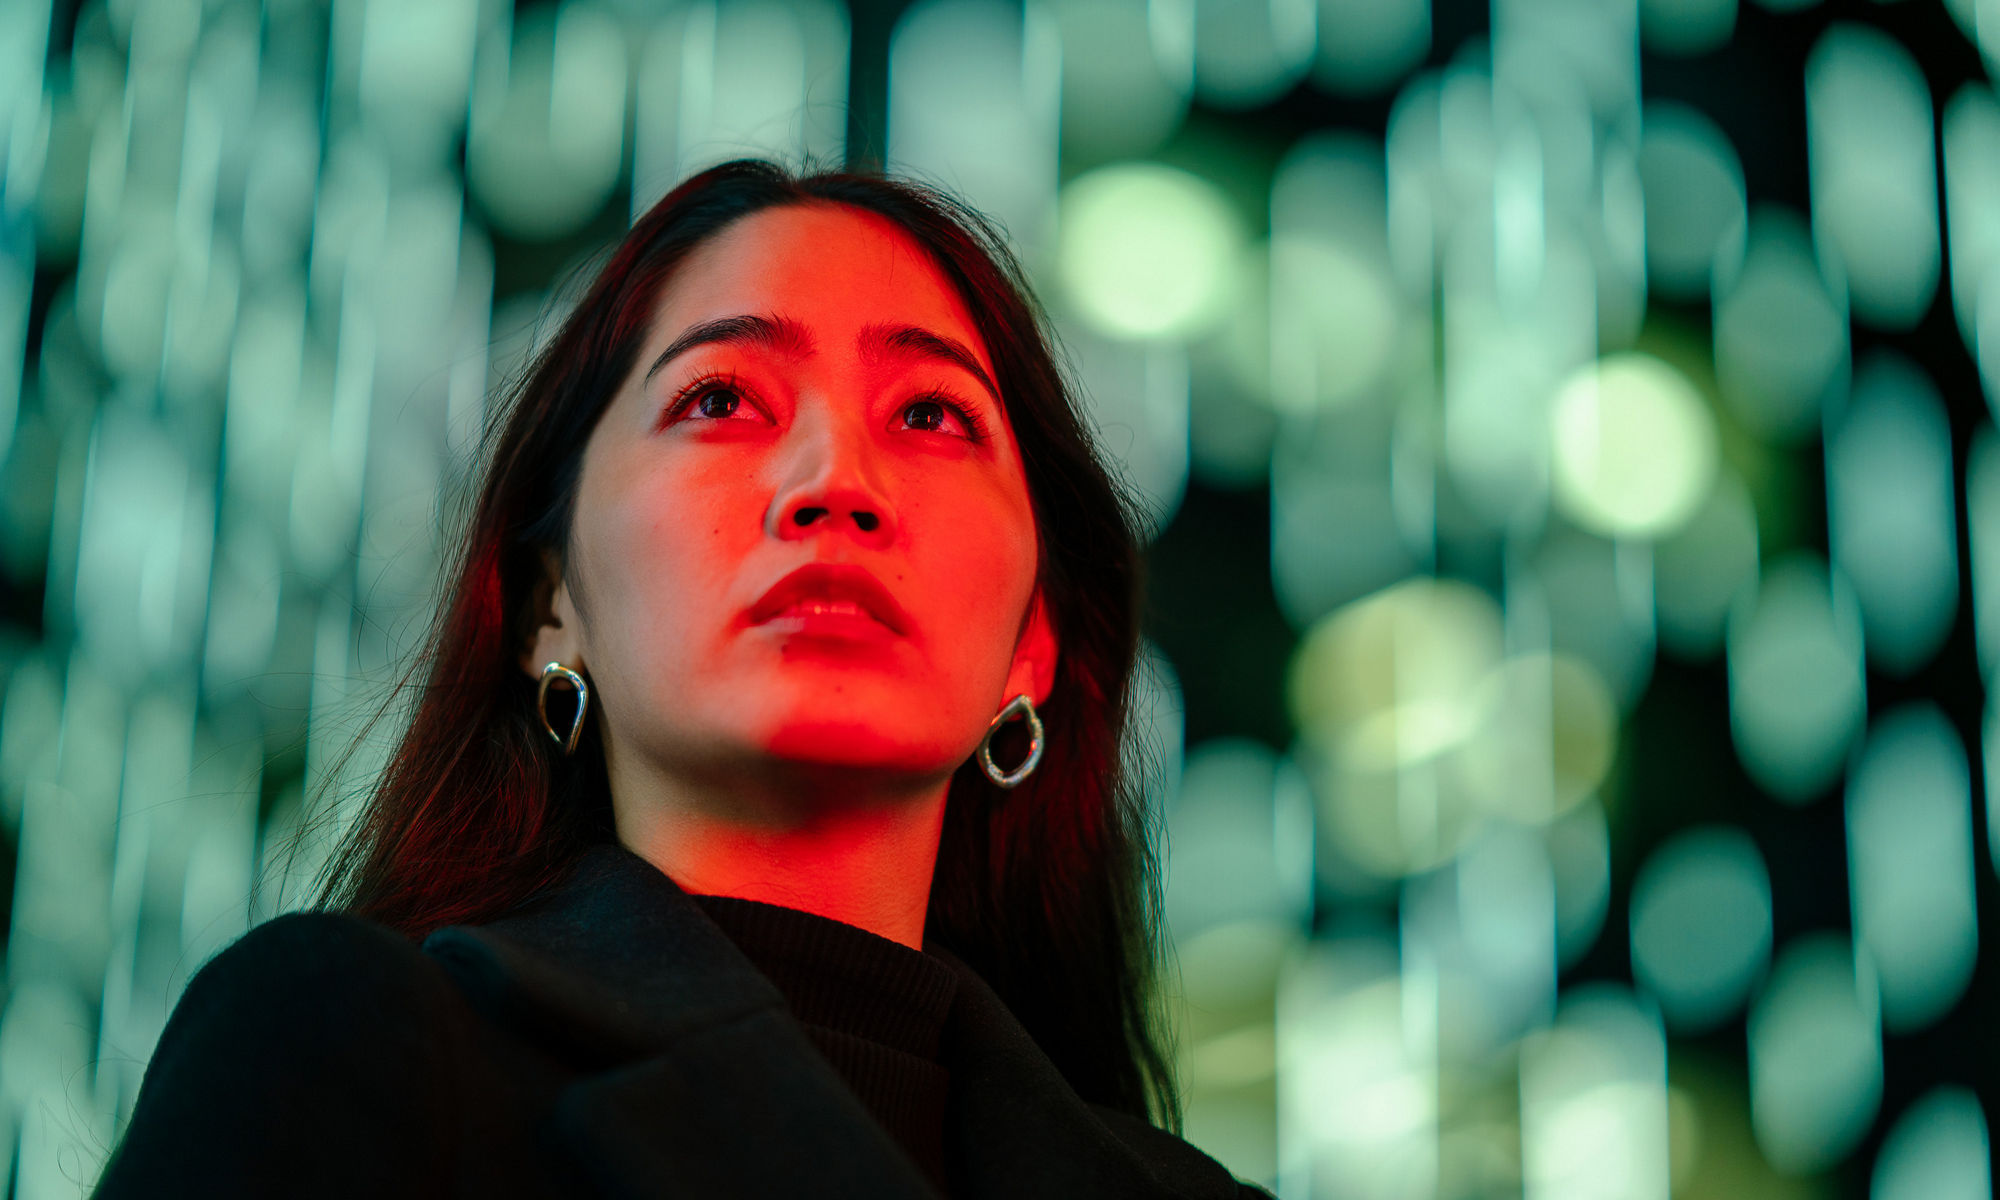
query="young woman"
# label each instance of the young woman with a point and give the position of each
(818, 870)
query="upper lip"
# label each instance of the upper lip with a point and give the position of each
(832, 581)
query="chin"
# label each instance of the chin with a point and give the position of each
(856, 744)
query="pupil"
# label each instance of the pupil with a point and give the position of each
(928, 409)
(709, 408)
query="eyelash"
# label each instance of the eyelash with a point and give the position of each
(974, 424)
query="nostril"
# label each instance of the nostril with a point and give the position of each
(864, 520)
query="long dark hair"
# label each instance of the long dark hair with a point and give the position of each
(1050, 891)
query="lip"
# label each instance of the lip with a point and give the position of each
(831, 582)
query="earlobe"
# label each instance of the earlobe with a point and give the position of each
(551, 643)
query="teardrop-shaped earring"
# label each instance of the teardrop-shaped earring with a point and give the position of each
(549, 673)
(1008, 779)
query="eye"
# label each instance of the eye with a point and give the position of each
(710, 398)
(930, 412)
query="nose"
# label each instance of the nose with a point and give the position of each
(831, 484)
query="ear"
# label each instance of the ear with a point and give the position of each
(1035, 652)
(558, 633)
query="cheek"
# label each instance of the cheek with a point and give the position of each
(976, 558)
(669, 555)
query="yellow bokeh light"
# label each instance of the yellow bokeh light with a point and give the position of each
(1418, 727)
(1548, 740)
(1392, 678)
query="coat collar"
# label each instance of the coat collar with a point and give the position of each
(697, 1080)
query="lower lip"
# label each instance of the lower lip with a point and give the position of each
(849, 626)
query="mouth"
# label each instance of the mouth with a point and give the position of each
(845, 622)
(835, 599)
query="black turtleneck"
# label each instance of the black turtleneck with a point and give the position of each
(875, 1008)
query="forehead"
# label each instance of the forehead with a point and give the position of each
(831, 267)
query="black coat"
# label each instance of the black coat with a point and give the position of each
(609, 1041)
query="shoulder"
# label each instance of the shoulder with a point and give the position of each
(309, 1033)
(309, 995)
(314, 973)
(1174, 1160)
(311, 948)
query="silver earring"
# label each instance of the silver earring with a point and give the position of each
(549, 673)
(1008, 779)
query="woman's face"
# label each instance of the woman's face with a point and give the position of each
(811, 391)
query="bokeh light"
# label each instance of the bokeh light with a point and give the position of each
(1481, 932)
(547, 130)
(1580, 855)
(1126, 78)
(975, 100)
(1686, 26)
(1230, 825)
(724, 79)
(1594, 1102)
(1874, 177)
(1358, 1088)
(1938, 1150)
(1634, 447)
(1366, 46)
(1815, 1055)
(1971, 145)
(1892, 519)
(1696, 209)
(1781, 339)
(1797, 690)
(1701, 925)
(1909, 849)
(1249, 52)
(1148, 251)
(1336, 320)
(1392, 679)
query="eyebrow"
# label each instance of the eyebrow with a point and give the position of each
(773, 333)
(792, 339)
(909, 341)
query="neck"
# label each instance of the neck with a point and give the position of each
(833, 848)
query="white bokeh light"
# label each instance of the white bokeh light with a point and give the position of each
(1635, 447)
(1147, 251)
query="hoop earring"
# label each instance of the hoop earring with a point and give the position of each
(1008, 779)
(549, 674)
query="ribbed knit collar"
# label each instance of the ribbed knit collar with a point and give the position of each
(840, 976)
(875, 1008)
